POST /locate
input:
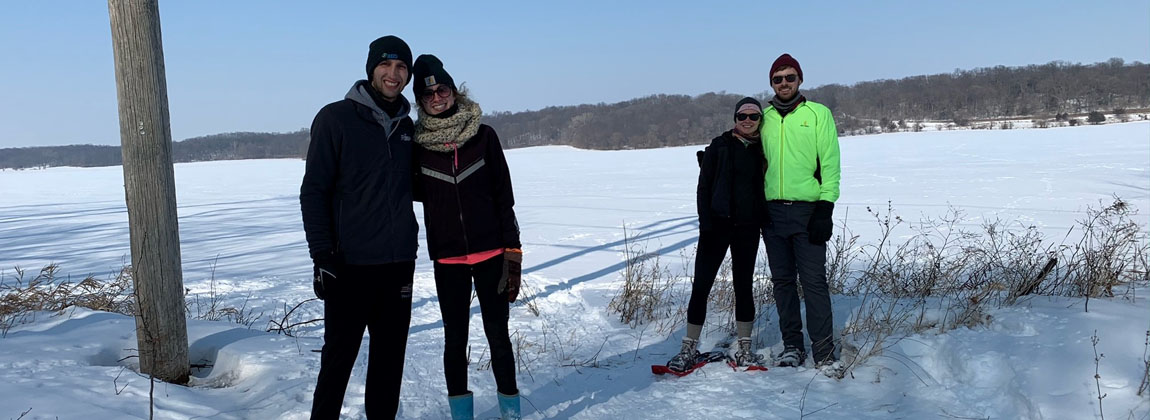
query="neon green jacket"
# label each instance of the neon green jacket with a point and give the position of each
(797, 146)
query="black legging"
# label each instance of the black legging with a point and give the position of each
(744, 244)
(453, 285)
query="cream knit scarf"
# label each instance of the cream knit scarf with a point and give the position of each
(446, 134)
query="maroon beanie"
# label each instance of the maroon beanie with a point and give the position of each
(786, 60)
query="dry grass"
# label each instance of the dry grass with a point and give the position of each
(934, 274)
(21, 298)
(650, 292)
(23, 295)
(943, 277)
(210, 307)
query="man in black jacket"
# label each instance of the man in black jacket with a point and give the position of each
(361, 231)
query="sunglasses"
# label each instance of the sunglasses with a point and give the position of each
(442, 91)
(753, 117)
(779, 79)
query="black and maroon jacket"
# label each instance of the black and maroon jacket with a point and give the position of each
(467, 198)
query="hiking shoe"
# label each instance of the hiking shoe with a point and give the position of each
(687, 357)
(832, 369)
(744, 356)
(791, 357)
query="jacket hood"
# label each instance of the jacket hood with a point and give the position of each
(359, 94)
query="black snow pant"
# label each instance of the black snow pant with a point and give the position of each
(453, 285)
(376, 297)
(790, 254)
(743, 240)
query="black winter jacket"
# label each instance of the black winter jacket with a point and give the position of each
(467, 207)
(731, 183)
(356, 196)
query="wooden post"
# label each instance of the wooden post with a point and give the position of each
(149, 183)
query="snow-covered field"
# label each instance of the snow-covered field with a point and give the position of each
(241, 236)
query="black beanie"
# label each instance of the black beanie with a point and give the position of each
(747, 100)
(429, 71)
(388, 48)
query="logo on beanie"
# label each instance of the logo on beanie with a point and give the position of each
(389, 56)
(429, 81)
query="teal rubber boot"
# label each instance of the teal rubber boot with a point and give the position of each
(462, 406)
(509, 407)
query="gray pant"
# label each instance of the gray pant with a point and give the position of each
(793, 258)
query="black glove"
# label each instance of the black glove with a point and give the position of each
(324, 273)
(512, 273)
(820, 226)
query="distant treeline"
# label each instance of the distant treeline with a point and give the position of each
(229, 146)
(1048, 92)
(1054, 91)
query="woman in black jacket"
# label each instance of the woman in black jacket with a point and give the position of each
(731, 208)
(472, 233)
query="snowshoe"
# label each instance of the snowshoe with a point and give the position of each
(791, 357)
(687, 357)
(832, 369)
(700, 360)
(744, 356)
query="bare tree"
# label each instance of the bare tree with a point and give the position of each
(149, 183)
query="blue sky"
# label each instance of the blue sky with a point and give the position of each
(270, 65)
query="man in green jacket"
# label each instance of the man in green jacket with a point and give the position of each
(801, 185)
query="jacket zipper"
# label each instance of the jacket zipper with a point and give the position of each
(387, 139)
(459, 199)
(782, 139)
